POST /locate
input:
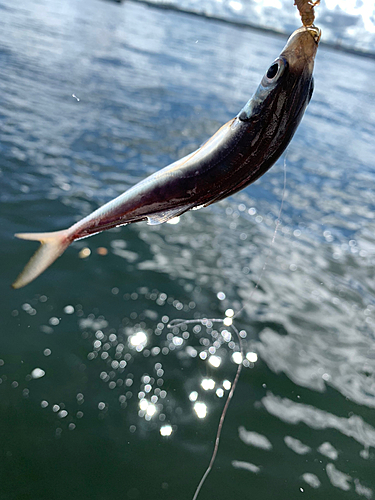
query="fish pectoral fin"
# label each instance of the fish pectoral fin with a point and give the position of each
(166, 215)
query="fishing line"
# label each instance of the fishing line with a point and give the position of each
(278, 222)
(222, 418)
(228, 321)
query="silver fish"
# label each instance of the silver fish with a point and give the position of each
(236, 155)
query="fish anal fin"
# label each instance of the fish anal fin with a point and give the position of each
(166, 215)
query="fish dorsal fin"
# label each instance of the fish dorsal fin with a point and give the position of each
(166, 215)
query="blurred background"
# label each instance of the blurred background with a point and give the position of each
(99, 398)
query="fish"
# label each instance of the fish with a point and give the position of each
(238, 154)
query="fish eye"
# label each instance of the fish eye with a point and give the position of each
(274, 72)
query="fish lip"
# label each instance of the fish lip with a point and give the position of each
(315, 32)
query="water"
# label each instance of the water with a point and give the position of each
(90, 374)
(345, 23)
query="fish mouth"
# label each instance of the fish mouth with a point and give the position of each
(315, 32)
(300, 49)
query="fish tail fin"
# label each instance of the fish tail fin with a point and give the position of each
(51, 247)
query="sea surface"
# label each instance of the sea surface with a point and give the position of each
(99, 398)
(349, 24)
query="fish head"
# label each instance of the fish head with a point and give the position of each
(280, 100)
